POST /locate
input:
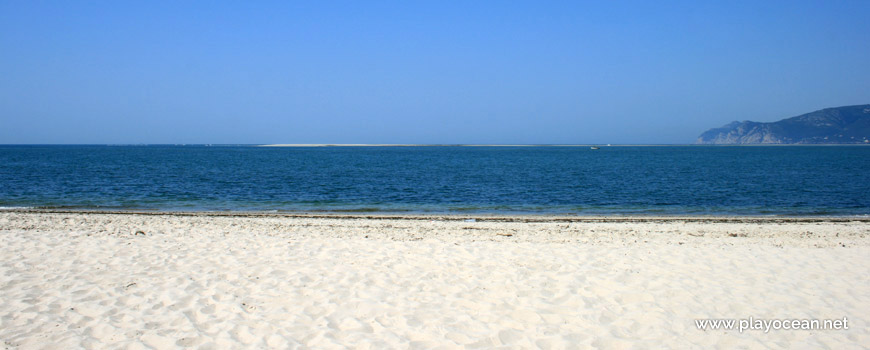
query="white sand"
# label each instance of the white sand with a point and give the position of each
(89, 281)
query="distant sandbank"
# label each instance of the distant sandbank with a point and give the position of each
(405, 145)
(546, 145)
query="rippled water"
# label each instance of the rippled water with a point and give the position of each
(661, 180)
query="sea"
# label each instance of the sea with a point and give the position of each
(559, 180)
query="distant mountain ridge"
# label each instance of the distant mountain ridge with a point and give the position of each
(838, 125)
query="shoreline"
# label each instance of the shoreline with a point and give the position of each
(483, 217)
(707, 231)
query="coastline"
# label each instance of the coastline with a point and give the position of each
(267, 280)
(462, 216)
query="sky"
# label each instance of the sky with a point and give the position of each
(421, 72)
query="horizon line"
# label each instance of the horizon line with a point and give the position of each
(303, 145)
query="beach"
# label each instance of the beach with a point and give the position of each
(257, 280)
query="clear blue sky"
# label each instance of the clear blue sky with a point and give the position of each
(420, 72)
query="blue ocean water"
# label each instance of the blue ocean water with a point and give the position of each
(656, 180)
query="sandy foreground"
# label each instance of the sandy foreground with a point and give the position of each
(135, 281)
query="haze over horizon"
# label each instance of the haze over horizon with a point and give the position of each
(420, 73)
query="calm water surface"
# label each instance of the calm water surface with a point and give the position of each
(665, 180)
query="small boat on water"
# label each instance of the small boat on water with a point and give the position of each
(595, 147)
